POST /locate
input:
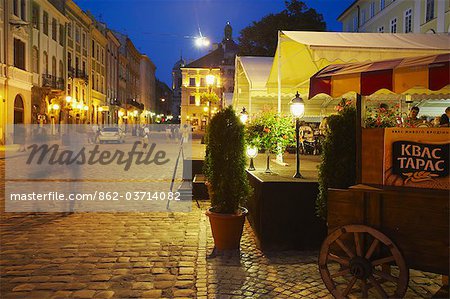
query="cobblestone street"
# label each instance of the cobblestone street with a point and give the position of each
(150, 255)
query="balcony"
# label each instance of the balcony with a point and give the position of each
(53, 82)
(134, 103)
(76, 73)
(115, 102)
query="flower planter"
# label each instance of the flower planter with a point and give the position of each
(227, 228)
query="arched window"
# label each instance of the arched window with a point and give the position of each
(61, 69)
(18, 110)
(45, 62)
(35, 60)
(54, 66)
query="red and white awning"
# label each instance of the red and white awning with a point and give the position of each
(397, 75)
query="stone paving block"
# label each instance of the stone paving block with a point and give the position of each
(151, 294)
(24, 287)
(164, 284)
(62, 295)
(104, 294)
(83, 294)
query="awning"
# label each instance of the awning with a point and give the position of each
(303, 53)
(397, 75)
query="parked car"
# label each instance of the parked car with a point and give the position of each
(111, 134)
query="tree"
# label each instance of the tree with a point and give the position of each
(260, 38)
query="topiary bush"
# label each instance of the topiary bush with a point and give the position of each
(338, 167)
(225, 162)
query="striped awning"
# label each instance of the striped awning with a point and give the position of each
(397, 75)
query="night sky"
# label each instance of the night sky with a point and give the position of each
(163, 29)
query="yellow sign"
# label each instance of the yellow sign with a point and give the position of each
(417, 157)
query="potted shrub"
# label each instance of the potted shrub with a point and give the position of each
(227, 182)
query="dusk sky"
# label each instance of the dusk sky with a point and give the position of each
(163, 29)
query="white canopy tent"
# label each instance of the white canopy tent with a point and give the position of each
(300, 54)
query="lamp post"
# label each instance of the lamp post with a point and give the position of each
(243, 116)
(210, 78)
(297, 107)
(252, 152)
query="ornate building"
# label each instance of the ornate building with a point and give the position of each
(210, 74)
(397, 16)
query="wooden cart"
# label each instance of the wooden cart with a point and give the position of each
(393, 219)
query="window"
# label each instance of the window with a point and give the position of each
(61, 69)
(381, 29)
(84, 67)
(430, 10)
(382, 4)
(35, 17)
(35, 59)
(93, 48)
(103, 54)
(84, 40)
(23, 11)
(69, 59)
(76, 64)
(408, 20)
(19, 54)
(54, 66)
(394, 25)
(45, 63)
(45, 20)
(61, 34)
(363, 16)
(355, 23)
(77, 34)
(372, 9)
(54, 29)
(192, 100)
(16, 7)
(202, 82)
(69, 29)
(191, 81)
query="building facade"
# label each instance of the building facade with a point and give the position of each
(112, 77)
(78, 91)
(147, 86)
(177, 80)
(16, 78)
(99, 105)
(397, 16)
(129, 70)
(48, 59)
(217, 67)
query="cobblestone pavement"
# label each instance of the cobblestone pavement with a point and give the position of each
(150, 255)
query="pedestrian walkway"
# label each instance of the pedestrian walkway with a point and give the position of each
(151, 255)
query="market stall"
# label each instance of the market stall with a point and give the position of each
(396, 217)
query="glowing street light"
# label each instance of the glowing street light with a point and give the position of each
(68, 99)
(243, 116)
(55, 107)
(252, 152)
(297, 106)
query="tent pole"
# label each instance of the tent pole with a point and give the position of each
(359, 106)
(279, 72)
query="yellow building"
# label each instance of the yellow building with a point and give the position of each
(397, 16)
(195, 108)
(99, 107)
(15, 65)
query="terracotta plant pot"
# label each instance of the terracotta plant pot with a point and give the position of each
(227, 228)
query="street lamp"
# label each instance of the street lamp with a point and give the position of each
(297, 107)
(244, 116)
(252, 152)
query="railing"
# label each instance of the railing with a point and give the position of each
(76, 73)
(52, 82)
(134, 103)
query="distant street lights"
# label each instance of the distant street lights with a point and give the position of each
(297, 107)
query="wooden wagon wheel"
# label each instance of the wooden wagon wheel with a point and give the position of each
(353, 260)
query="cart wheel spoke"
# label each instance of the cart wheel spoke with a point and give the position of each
(384, 260)
(364, 291)
(340, 273)
(345, 248)
(372, 248)
(385, 276)
(358, 244)
(341, 260)
(350, 286)
(378, 287)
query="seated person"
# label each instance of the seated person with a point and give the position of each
(413, 120)
(444, 121)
